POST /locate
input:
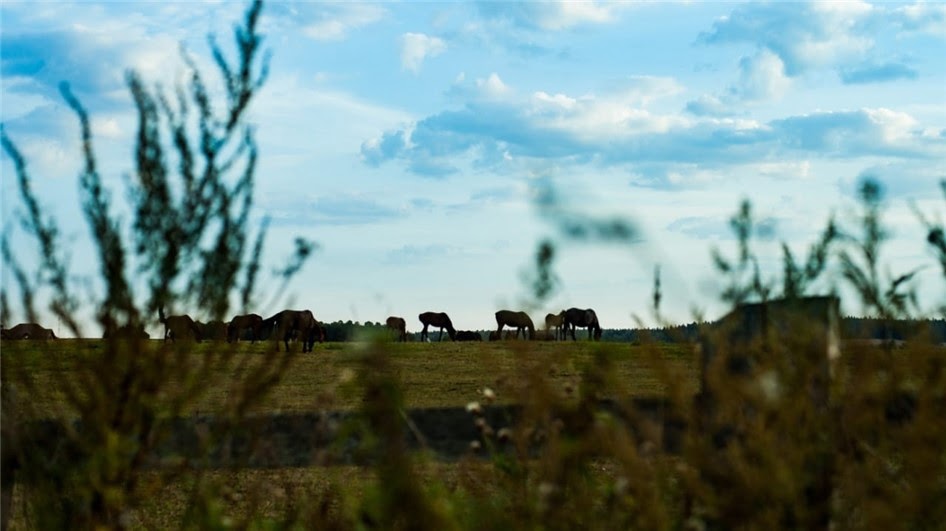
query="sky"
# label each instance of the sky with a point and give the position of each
(418, 143)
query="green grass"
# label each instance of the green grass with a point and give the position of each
(431, 374)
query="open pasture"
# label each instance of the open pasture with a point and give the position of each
(431, 374)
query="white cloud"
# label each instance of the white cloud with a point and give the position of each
(415, 47)
(492, 86)
(566, 14)
(761, 77)
(815, 35)
(708, 105)
(107, 128)
(923, 17)
(543, 101)
(554, 15)
(340, 19)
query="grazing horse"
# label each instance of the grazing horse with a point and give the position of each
(294, 324)
(438, 319)
(212, 331)
(398, 325)
(556, 322)
(178, 326)
(126, 331)
(468, 335)
(518, 320)
(241, 324)
(575, 317)
(29, 331)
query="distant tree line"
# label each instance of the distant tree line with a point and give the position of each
(851, 328)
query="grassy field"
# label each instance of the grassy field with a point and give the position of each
(881, 438)
(432, 374)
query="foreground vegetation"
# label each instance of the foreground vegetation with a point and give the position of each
(882, 437)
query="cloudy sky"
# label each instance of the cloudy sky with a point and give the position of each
(415, 141)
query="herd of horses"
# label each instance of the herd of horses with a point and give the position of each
(557, 326)
(302, 326)
(285, 326)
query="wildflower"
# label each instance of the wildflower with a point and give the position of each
(488, 395)
(474, 407)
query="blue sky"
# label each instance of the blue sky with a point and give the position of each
(413, 141)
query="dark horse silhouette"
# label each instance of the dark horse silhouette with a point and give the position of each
(212, 331)
(556, 322)
(438, 319)
(518, 320)
(468, 335)
(178, 326)
(575, 317)
(29, 331)
(241, 324)
(294, 324)
(126, 331)
(399, 326)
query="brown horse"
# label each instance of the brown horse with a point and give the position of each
(178, 326)
(556, 322)
(399, 326)
(126, 331)
(241, 324)
(518, 320)
(294, 324)
(212, 331)
(438, 319)
(468, 335)
(29, 331)
(575, 317)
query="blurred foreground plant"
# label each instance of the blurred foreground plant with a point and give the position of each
(191, 194)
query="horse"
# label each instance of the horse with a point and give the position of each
(556, 322)
(126, 331)
(29, 331)
(438, 319)
(241, 324)
(293, 324)
(518, 320)
(399, 326)
(178, 326)
(212, 331)
(468, 335)
(575, 317)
